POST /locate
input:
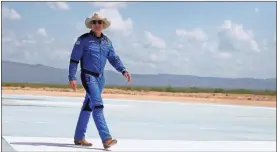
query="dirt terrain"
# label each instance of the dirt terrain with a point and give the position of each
(237, 99)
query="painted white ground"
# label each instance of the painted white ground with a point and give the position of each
(65, 144)
(45, 123)
(53, 103)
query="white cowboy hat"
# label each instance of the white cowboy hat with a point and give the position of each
(97, 17)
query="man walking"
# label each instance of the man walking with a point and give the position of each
(91, 50)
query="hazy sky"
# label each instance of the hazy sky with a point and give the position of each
(222, 39)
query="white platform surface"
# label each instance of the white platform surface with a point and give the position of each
(66, 144)
(46, 123)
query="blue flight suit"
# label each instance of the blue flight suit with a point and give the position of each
(92, 52)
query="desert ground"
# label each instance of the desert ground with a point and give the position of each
(236, 99)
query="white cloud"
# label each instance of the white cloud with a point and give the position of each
(232, 43)
(42, 32)
(9, 13)
(30, 48)
(109, 10)
(58, 5)
(9, 37)
(28, 41)
(193, 40)
(229, 53)
(60, 53)
(154, 41)
(196, 34)
(234, 37)
(109, 4)
(224, 55)
(256, 10)
(19, 40)
(195, 52)
(49, 41)
(118, 23)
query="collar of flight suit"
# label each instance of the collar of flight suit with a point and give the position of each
(102, 39)
(93, 34)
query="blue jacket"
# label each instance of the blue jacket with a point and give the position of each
(92, 53)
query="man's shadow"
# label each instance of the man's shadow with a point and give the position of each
(57, 145)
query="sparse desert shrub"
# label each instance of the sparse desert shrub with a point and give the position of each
(168, 88)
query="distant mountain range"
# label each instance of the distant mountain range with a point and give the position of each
(20, 72)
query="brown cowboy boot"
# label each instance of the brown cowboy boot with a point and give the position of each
(109, 142)
(82, 142)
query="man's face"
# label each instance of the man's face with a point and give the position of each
(97, 25)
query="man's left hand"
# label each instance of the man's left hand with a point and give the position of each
(127, 75)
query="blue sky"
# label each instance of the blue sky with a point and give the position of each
(223, 39)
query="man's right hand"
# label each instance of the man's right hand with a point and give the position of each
(73, 84)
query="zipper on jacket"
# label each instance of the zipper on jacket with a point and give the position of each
(99, 43)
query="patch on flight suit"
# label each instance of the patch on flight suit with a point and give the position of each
(106, 42)
(78, 42)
